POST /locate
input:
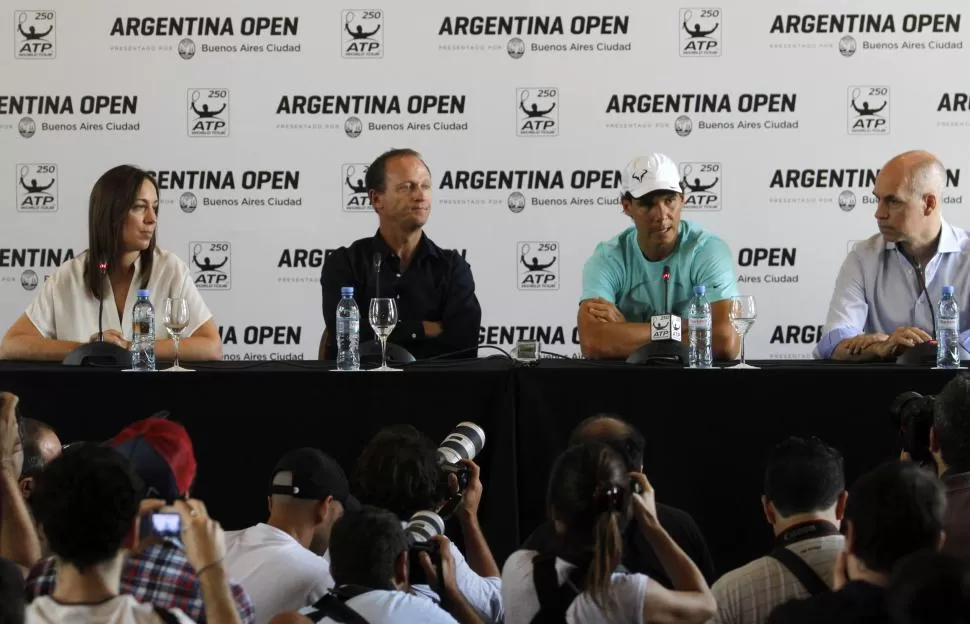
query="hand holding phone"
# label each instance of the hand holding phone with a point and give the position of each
(160, 524)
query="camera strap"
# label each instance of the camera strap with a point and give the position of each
(554, 599)
(808, 577)
(334, 605)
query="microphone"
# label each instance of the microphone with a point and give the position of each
(102, 269)
(377, 273)
(666, 326)
(923, 354)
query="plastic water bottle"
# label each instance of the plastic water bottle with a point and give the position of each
(143, 333)
(348, 331)
(948, 336)
(699, 326)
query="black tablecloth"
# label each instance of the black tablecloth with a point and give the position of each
(707, 432)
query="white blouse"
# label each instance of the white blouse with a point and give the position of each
(64, 309)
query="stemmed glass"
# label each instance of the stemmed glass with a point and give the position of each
(383, 318)
(743, 314)
(176, 319)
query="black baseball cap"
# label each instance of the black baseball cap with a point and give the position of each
(316, 476)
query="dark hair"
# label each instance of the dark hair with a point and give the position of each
(398, 470)
(86, 501)
(951, 420)
(804, 475)
(376, 177)
(930, 588)
(589, 494)
(33, 459)
(629, 444)
(113, 195)
(12, 598)
(364, 546)
(895, 510)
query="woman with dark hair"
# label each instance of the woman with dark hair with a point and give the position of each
(121, 258)
(591, 498)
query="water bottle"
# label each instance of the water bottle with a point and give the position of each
(699, 326)
(143, 333)
(348, 331)
(948, 337)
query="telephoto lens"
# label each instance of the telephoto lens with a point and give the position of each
(465, 442)
(424, 525)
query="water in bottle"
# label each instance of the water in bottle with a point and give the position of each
(699, 326)
(348, 331)
(948, 327)
(143, 333)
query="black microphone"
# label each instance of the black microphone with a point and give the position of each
(666, 287)
(377, 273)
(666, 334)
(102, 268)
(666, 326)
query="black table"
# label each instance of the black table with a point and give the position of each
(707, 432)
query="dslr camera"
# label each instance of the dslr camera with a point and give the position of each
(422, 526)
(466, 441)
(912, 414)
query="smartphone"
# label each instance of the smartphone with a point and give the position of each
(160, 524)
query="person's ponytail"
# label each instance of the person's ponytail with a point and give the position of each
(607, 545)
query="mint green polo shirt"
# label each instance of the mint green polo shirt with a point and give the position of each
(619, 273)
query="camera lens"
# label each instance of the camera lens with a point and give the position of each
(465, 442)
(424, 525)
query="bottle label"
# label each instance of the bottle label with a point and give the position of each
(700, 323)
(950, 324)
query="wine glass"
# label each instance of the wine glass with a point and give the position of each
(383, 318)
(176, 319)
(742, 314)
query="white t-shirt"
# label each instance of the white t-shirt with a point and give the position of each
(381, 606)
(118, 610)
(64, 309)
(628, 592)
(277, 572)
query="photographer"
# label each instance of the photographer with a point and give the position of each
(950, 444)
(398, 470)
(369, 560)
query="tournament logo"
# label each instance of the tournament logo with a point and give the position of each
(701, 182)
(211, 265)
(515, 48)
(27, 127)
(516, 202)
(700, 32)
(847, 46)
(34, 35)
(188, 202)
(186, 49)
(847, 201)
(868, 110)
(36, 187)
(683, 126)
(362, 35)
(353, 127)
(538, 265)
(208, 112)
(537, 112)
(354, 188)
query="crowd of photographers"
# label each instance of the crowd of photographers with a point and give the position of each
(108, 532)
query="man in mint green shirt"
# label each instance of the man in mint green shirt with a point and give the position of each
(623, 284)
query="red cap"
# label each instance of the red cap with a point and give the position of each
(169, 440)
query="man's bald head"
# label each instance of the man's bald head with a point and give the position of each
(614, 431)
(920, 171)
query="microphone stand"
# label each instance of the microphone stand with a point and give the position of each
(99, 353)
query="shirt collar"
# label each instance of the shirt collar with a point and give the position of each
(948, 240)
(425, 246)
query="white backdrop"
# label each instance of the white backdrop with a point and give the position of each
(781, 121)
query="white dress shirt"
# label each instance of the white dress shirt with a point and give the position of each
(878, 291)
(389, 607)
(64, 309)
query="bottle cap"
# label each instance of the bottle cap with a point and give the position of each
(948, 290)
(347, 291)
(144, 292)
(700, 289)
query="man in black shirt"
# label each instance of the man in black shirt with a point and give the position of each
(438, 311)
(638, 556)
(893, 511)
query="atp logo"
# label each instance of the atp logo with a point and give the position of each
(34, 35)
(700, 32)
(208, 112)
(868, 110)
(37, 187)
(537, 112)
(538, 265)
(362, 35)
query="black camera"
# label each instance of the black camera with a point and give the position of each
(422, 526)
(465, 442)
(912, 414)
